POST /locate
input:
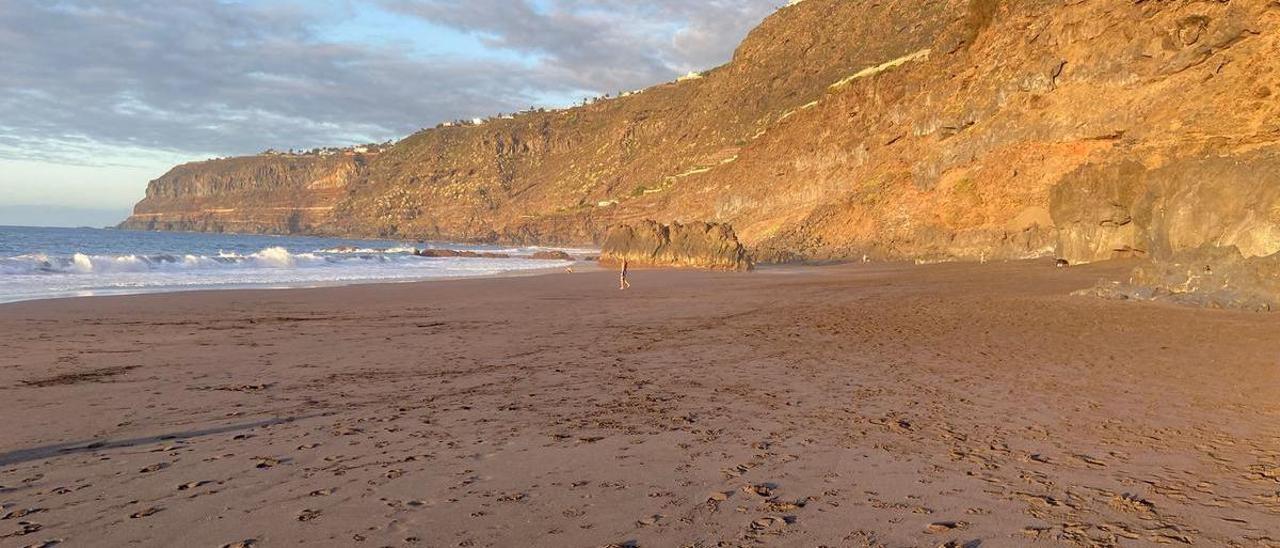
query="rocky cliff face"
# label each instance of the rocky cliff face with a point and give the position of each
(957, 129)
(260, 194)
(694, 245)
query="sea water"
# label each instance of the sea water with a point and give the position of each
(41, 263)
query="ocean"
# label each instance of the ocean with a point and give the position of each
(44, 263)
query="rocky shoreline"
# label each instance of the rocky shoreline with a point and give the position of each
(989, 131)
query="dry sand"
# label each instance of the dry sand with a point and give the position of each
(956, 405)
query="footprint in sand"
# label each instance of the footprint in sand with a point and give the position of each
(771, 522)
(651, 520)
(192, 485)
(718, 496)
(958, 544)
(246, 543)
(17, 514)
(776, 505)
(267, 462)
(1089, 461)
(25, 528)
(308, 515)
(939, 527)
(146, 513)
(1037, 457)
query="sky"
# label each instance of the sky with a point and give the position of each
(97, 97)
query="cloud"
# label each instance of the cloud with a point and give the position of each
(223, 77)
(602, 44)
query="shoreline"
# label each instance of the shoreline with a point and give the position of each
(354, 238)
(39, 264)
(852, 405)
(334, 284)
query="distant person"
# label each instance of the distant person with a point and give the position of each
(623, 284)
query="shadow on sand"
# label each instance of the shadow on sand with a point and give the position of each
(75, 448)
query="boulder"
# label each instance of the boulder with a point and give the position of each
(1209, 276)
(694, 245)
(551, 256)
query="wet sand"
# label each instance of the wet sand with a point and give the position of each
(868, 405)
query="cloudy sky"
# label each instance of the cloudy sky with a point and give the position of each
(99, 96)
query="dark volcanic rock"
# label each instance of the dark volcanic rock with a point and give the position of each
(439, 253)
(694, 245)
(1213, 277)
(551, 256)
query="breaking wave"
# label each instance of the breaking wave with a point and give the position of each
(271, 258)
(38, 263)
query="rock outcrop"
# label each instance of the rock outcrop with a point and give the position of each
(1211, 276)
(268, 194)
(1126, 209)
(554, 255)
(693, 245)
(1209, 227)
(454, 253)
(904, 129)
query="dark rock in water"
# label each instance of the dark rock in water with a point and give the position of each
(693, 245)
(551, 256)
(445, 253)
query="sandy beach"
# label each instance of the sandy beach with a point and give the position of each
(867, 405)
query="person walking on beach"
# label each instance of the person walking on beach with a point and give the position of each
(623, 284)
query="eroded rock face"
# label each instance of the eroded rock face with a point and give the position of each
(1215, 276)
(257, 195)
(1126, 209)
(693, 245)
(1210, 276)
(1093, 209)
(1209, 227)
(904, 129)
(555, 255)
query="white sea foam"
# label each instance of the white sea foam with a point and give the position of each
(348, 250)
(38, 275)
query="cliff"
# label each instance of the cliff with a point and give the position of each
(694, 245)
(958, 129)
(272, 194)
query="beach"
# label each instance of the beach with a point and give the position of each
(850, 405)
